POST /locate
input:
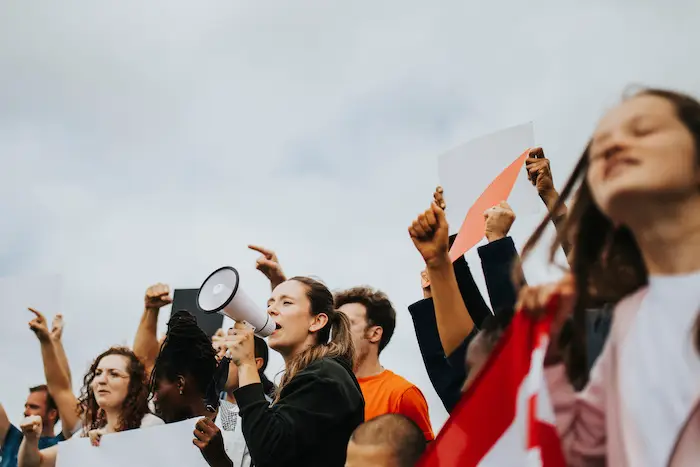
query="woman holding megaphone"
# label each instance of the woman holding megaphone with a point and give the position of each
(319, 402)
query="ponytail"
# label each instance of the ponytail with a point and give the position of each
(333, 340)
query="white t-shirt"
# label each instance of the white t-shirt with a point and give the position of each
(229, 422)
(660, 367)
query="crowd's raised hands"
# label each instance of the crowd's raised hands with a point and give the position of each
(157, 296)
(499, 220)
(429, 232)
(32, 427)
(39, 326)
(269, 265)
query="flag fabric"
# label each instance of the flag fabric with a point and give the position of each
(472, 229)
(505, 418)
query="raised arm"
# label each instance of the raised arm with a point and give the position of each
(429, 233)
(268, 264)
(146, 346)
(540, 174)
(29, 454)
(499, 257)
(56, 378)
(57, 337)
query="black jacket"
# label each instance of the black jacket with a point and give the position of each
(447, 374)
(311, 423)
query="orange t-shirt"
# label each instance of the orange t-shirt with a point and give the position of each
(388, 392)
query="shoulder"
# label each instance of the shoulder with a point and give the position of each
(328, 367)
(399, 384)
(326, 375)
(12, 440)
(151, 420)
(626, 310)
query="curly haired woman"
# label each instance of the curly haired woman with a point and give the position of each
(114, 398)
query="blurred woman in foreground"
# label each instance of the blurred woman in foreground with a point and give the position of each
(635, 225)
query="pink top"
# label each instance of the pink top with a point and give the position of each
(591, 423)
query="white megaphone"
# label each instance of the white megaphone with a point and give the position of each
(221, 293)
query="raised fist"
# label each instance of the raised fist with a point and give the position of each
(499, 219)
(157, 296)
(429, 232)
(539, 172)
(269, 265)
(32, 427)
(39, 326)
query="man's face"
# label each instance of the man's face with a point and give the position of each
(362, 455)
(357, 314)
(37, 405)
(477, 355)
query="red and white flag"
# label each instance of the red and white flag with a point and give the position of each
(505, 418)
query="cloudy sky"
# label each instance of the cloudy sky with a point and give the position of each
(152, 141)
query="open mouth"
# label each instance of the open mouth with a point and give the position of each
(277, 326)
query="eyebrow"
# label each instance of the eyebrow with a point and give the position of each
(282, 297)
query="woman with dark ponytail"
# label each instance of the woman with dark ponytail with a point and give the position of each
(635, 231)
(319, 402)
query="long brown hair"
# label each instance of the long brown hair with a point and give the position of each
(333, 340)
(135, 405)
(606, 261)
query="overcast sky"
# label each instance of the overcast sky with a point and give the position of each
(152, 141)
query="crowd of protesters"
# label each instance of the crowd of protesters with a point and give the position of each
(623, 365)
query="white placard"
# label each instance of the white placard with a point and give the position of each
(163, 445)
(467, 170)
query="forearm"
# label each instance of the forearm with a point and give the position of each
(146, 345)
(59, 386)
(248, 374)
(558, 216)
(29, 454)
(56, 378)
(453, 320)
(63, 359)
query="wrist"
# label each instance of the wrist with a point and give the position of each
(493, 236)
(152, 309)
(439, 261)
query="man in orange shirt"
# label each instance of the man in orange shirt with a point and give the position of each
(373, 319)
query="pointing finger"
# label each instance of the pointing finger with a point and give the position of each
(37, 313)
(268, 253)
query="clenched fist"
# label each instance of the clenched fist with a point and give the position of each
(208, 438)
(157, 296)
(32, 427)
(539, 172)
(429, 232)
(269, 265)
(499, 220)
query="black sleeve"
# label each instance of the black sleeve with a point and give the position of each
(473, 300)
(497, 260)
(277, 434)
(440, 372)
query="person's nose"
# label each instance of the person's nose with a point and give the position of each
(272, 311)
